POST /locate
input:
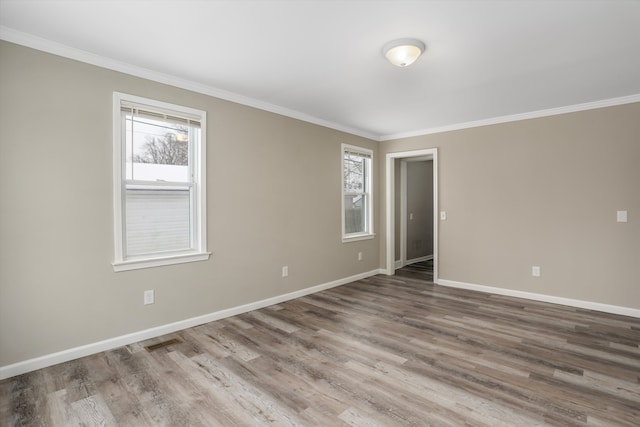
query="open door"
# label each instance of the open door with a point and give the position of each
(414, 220)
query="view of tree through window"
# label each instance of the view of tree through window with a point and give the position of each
(170, 149)
(353, 173)
(156, 150)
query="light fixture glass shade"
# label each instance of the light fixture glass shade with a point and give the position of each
(403, 52)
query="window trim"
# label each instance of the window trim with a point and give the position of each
(199, 253)
(369, 233)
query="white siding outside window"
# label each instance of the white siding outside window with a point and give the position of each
(157, 221)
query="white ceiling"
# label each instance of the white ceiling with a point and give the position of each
(321, 60)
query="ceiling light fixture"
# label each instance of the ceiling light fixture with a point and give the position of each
(403, 52)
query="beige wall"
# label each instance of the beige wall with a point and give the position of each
(541, 192)
(273, 186)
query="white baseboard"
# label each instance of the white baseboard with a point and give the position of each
(398, 263)
(422, 258)
(19, 368)
(614, 309)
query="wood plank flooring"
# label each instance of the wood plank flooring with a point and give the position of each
(420, 270)
(384, 351)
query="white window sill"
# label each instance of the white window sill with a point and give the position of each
(357, 237)
(136, 264)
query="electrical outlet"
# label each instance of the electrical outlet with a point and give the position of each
(443, 216)
(535, 271)
(359, 256)
(621, 216)
(285, 271)
(149, 297)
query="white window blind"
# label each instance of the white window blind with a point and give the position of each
(363, 154)
(137, 111)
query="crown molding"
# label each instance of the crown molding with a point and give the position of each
(517, 117)
(48, 46)
(59, 49)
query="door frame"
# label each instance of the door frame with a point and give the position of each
(424, 154)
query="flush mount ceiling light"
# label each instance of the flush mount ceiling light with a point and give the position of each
(403, 52)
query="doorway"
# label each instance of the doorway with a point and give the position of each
(414, 211)
(393, 210)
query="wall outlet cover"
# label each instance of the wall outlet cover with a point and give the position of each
(621, 216)
(535, 271)
(149, 297)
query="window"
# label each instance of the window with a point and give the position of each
(159, 183)
(357, 213)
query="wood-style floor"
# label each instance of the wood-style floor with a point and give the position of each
(385, 351)
(422, 270)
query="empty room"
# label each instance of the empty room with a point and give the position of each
(320, 213)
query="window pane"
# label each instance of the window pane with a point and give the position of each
(157, 221)
(156, 150)
(355, 214)
(354, 173)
